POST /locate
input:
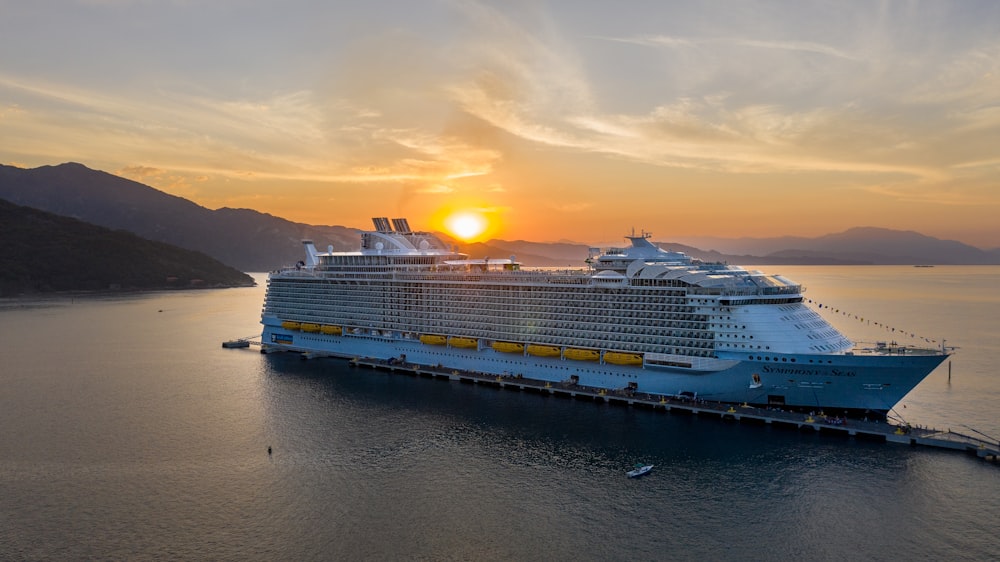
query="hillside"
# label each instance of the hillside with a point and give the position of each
(43, 252)
(245, 239)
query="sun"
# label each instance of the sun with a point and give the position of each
(465, 225)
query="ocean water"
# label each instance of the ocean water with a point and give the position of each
(127, 433)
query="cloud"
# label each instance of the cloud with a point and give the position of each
(683, 43)
(139, 172)
(886, 99)
(280, 137)
(825, 108)
(436, 189)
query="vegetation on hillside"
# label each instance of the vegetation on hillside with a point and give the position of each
(42, 252)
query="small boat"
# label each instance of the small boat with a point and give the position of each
(456, 341)
(235, 344)
(291, 325)
(330, 330)
(622, 358)
(543, 350)
(433, 339)
(508, 347)
(582, 354)
(309, 327)
(639, 470)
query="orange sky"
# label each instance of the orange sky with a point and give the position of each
(555, 121)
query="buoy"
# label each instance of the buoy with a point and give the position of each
(268, 449)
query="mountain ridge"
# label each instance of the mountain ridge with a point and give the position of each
(254, 241)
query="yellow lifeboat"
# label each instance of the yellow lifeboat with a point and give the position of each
(309, 327)
(330, 330)
(582, 354)
(508, 347)
(543, 350)
(290, 325)
(431, 339)
(622, 358)
(456, 341)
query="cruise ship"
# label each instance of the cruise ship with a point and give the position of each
(636, 318)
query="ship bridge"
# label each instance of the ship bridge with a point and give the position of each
(641, 251)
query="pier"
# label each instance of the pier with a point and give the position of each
(817, 421)
(743, 413)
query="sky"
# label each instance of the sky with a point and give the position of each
(562, 120)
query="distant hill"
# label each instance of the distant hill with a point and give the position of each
(254, 241)
(562, 254)
(245, 239)
(42, 252)
(864, 245)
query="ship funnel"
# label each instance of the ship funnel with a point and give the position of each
(402, 226)
(381, 224)
(311, 259)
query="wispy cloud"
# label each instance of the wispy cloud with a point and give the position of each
(464, 100)
(718, 130)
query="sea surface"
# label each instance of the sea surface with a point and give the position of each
(128, 433)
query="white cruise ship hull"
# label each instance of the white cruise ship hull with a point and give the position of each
(854, 383)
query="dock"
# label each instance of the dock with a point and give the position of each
(874, 430)
(743, 413)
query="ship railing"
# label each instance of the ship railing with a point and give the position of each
(892, 348)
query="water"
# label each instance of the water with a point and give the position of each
(128, 433)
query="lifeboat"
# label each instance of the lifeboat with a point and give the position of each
(330, 330)
(622, 358)
(431, 339)
(508, 347)
(309, 327)
(456, 341)
(582, 354)
(543, 350)
(290, 325)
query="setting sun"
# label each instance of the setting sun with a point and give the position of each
(466, 225)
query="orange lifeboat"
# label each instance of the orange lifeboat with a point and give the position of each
(623, 358)
(543, 350)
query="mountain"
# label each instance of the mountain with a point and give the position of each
(242, 238)
(563, 254)
(44, 252)
(254, 241)
(861, 245)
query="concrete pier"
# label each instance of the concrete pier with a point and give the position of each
(743, 413)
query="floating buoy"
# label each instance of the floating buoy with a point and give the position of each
(268, 449)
